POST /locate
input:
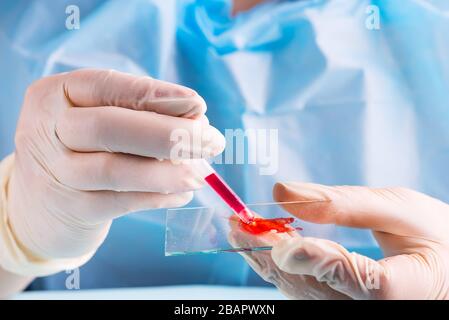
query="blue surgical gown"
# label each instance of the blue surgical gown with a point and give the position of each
(352, 104)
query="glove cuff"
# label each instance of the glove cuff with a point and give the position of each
(14, 257)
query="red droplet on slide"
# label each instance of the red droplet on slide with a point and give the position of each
(260, 225)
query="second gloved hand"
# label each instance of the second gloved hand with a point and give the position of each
(411, 228)
(92, 145)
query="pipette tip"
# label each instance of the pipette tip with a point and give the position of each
(246, 215)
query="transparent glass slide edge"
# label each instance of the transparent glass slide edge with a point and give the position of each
(205, 230)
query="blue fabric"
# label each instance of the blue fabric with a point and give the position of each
(352, 105)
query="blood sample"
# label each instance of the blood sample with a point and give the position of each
(261, 225)
(248, 221)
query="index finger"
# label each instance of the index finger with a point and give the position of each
(396, 211)
(96, 88)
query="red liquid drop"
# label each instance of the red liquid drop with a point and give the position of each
(260, 225)
(229, 196)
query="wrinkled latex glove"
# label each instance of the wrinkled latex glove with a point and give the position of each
(411, 228)
(90, 146)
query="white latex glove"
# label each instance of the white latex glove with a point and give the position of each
(411, 228)
(87, 145)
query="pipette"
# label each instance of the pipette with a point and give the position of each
(225, 192)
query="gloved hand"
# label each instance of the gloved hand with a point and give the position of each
(411, 228)
(90, 146)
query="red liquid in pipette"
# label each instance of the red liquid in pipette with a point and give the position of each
(229, 196)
